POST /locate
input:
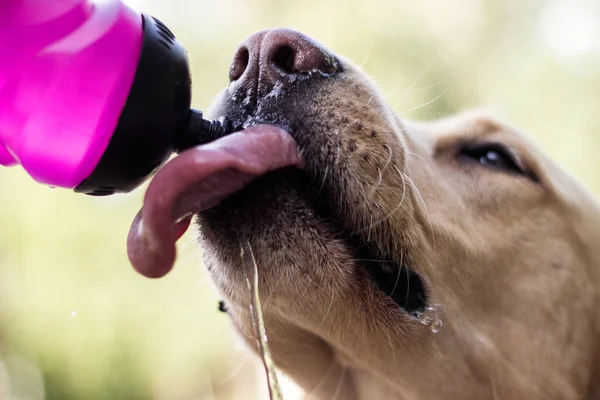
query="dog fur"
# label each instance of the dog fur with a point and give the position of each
(512, 259)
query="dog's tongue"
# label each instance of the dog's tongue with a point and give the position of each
(199, 179)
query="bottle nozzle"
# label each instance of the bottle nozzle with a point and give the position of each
(201, 131)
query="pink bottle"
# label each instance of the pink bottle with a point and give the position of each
(93, 96)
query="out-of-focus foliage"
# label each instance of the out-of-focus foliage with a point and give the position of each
(77, 323)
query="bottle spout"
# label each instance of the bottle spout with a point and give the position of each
(201, 131)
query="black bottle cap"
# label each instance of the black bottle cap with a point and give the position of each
(158, 107)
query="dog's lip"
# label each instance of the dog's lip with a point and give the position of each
(196, 180)
(407, 289)
(392, 276)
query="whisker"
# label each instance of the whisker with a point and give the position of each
(502, 359)
(339, 145)
(308, 285)
(424, 88)
(494, 396)
(418, 192)
(397, 280)
(372, 191)
(243, 331)
(398, 276)
(407, 287)
(211, 385)
(381, 171)
(314, 390)
(410, 153)
(339, 385)
(423, 105)
(393, 211)
(409, 89)
(235, 371)
(364, 61)
(370, 228)
(328, 309)
(272, 291)
(417, 79)
(336, 162)
(383, 67)
(194, 288)
(324, 178)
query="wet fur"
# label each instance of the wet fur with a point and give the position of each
(513, 262)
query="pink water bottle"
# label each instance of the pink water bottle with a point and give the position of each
(93, 96)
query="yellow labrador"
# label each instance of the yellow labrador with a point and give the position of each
(397, 260)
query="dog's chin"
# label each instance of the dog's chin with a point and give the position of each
(394, 277)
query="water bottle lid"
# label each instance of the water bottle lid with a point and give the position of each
(157, 108)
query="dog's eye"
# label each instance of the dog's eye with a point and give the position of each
(492, 155)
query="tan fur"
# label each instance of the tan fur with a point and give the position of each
(513, 263)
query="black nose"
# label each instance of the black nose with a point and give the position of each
(277, 56)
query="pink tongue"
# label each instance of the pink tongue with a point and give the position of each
(199, 179)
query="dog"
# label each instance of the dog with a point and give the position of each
(403, 260)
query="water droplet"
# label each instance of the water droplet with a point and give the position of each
(430, 316)
(425, 319)
(73, 314)
(436, 326)
(183, 217)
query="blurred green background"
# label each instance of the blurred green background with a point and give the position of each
(76, 322)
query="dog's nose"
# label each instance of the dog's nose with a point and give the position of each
(277, 56)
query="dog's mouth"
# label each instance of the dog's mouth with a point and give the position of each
(287, 126)
(395, 279)
(200, 178)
